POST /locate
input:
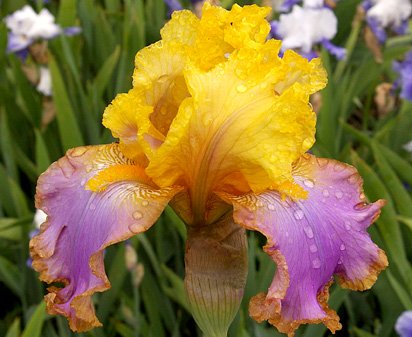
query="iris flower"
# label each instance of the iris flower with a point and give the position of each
(403, 324)
(218, 126)
(26, 27)
(382, 14)
(304, 27)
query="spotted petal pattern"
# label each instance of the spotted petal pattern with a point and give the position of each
(311, 240)
(81, 223)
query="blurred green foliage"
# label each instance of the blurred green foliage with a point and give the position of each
(88, 70)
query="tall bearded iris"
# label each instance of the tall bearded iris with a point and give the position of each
(217, 125)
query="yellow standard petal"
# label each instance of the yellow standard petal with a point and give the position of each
(235, 121)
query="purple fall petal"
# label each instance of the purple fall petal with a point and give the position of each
(82, 223)
(338, 52)
(70, 31)
(309, 55)
(16, 43)
(174, 5)
(311, 240)
(402, 29)
(403, 324)
(274, 30)
(405, 76)
(287, 5)
(367, 4)
(377, 29)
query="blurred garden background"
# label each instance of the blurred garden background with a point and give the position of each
(54, 88)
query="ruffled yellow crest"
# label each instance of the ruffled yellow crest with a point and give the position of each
(212, 102)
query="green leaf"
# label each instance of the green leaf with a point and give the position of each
(176, 290)
(67, 13)
(69, 130)
(42, 155)
(11, 195)
(387, 224)
(10, 228)
(362, 333)
(14, 330)
(406, 221)
(105, 74)
(35, 324)
(10, 275)
(403, 294)
(402, 199)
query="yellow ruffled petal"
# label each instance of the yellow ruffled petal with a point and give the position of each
(182, 28)
(220, 32)
(122, 118)
(306, 76)
(235, 121)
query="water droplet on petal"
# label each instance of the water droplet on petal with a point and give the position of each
(325, 193)
(135, 228)
(338, 167)
(78, 151)
(342, 247)
(271, 207)
(137, 215)
(348, 225)
(309, 232)
(316, 263)
(241, 88)
(145, 203)
(313, 248)
(163, 110)
(338, 194)
(309, 183)
(340, 261)
(298, 214)
(83, 182)
(92, 207)
(89, 168)
(353, 179)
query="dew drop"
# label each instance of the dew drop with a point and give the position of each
(145, 203)
(308, 142)
(313, 248)
(348, 225)
(325, 193)
(338, 194)
(309, 232)
(135, 228)
(163, 110)
(338, 167)
(309, 183)
(89, 168)
(92, 207)
(83, 182)
(340, 261)
(342, 247)
(137, 215)
(271, 207)
(298, 214)
(77, 152)
(241, 88)
(353, 179)
(316, 263)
